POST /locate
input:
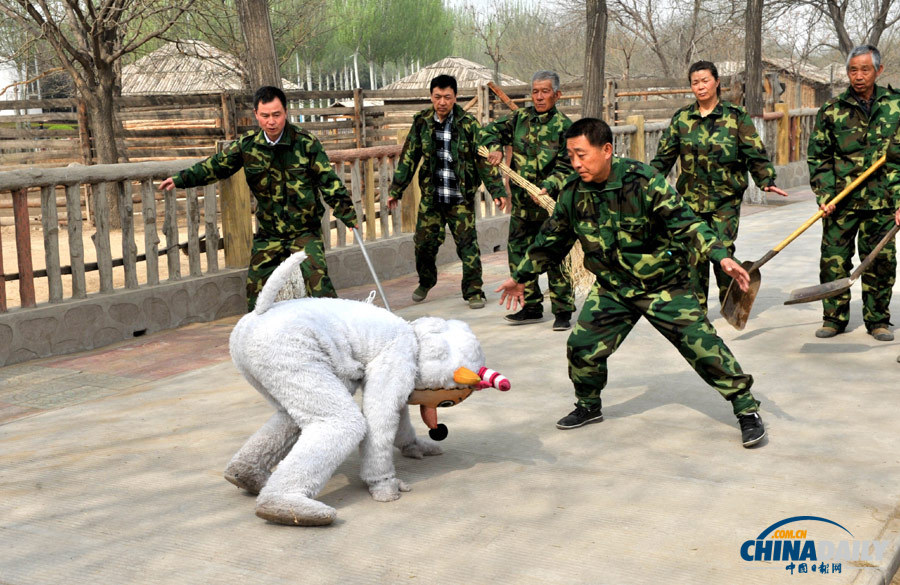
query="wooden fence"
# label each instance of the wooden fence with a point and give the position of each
(196, 223)
(59, 194)
(656, 99)
(55, 132)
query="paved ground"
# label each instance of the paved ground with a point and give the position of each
(110, 467)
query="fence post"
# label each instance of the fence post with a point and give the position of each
(610, 98)
(236, 228)
(23, 247)
(638, 148)
(358, 118)
(409, 209)
(2, 278)
(369, 203)
(84, 133)
(783, 140)
(228, 117)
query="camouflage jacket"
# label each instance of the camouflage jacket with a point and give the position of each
(845, 142)
(716, 152)
(285, 178)
(470, 168)
(539, 151)
(638, 235)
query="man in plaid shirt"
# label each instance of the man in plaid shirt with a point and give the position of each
(446, 139)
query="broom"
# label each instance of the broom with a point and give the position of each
(582, 279)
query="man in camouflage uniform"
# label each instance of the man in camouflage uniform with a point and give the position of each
(445, 138)
(286, 168)
(852, 131)
(717, 144)
(539, 155)
(638, 237)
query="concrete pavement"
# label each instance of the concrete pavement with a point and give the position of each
(111, 461)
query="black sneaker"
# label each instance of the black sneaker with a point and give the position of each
(579, 417)
(526, 315)
(752, 429)
(562, 321)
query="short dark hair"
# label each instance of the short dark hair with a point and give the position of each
(443, 81)
(595, 130)
(266, 94)
(705, 66)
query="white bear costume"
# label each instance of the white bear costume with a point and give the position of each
(307, 357)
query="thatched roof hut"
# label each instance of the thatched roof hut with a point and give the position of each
(185, 67)
(468, 75)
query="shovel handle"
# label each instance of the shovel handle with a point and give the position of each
(871, 257)
(834, 200)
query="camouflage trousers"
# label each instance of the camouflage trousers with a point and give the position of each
(430, 234)
(724, 221)
(867, 227)
(522, 232)
(606, 319)
(267, 253)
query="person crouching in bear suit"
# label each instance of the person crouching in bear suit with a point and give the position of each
(308, 357)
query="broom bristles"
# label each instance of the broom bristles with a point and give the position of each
(582, 279)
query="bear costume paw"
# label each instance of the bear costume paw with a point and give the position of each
(294, 510)
(418, 449)
(388, 490)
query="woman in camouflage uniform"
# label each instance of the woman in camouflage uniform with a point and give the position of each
(717, 144)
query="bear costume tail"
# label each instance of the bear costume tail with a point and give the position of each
(277, 280)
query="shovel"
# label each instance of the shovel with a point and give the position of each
(737, 304)
(836, 287)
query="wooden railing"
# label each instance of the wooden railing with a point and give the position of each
(196, 223)
(366, 172)
(784, 132)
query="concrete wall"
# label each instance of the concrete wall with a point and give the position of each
(394, 257)
(793, 174)
(102, 319)
(99, 320)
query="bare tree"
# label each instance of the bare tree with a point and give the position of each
(675, 32)
(548, 39)
(89, 39)
(256, 28)
(620, 49)
(491, 26)
(594, 58)
(796, 39)
(753, 86)
(853, 23)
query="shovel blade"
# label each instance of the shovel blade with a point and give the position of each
(737, 304)
(818, 292)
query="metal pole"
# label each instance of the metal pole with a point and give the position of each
(371, 268)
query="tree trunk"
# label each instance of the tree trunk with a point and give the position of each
(594, 59)
(372, 83)
(753, 86)
(262, 61)
(101, 110)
